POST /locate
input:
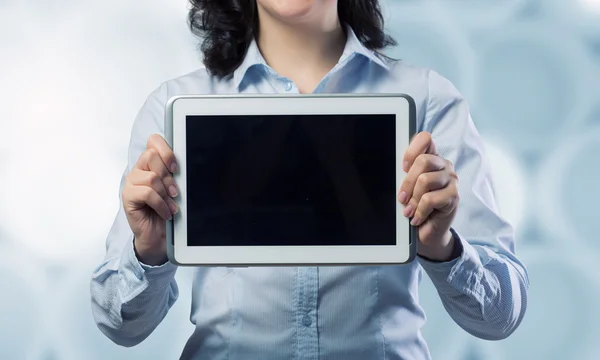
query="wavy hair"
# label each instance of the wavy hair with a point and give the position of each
(227, 27)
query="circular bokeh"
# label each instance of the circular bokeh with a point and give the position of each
(581, 16)
(561, 317)
(532, 85)
(426, 42)
(568, 194)
(472, 14)
(510, 182)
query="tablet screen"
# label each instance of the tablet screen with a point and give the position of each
(291, 180)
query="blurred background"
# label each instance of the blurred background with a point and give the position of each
(73, 75)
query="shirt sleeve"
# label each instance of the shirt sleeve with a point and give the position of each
(130, 299)
(484, 290)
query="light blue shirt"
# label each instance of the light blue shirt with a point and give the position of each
(326, 313)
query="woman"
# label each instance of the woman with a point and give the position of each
(320, 46)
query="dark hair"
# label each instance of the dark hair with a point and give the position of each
(227, 27)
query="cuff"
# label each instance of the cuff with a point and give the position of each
(138, 277)
(458, 276)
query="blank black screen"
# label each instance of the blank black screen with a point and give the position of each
(291, 180)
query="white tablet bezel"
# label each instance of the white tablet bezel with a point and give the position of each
(179, 107)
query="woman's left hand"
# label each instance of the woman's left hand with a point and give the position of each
(429, 194)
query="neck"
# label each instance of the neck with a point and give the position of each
(300, 51)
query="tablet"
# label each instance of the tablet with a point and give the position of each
(299, 180)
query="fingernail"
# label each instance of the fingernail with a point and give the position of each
(408, 210)
(173, 167)
(172, 190)
(405, 165)
(415, 221)
(402, 197)
(174, 208)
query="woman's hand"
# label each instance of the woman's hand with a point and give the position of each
(430, 197)
(148, 200)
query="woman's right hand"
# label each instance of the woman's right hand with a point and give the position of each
(148, 202)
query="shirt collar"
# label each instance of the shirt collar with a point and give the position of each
(353, 47)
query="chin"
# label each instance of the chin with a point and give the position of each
(293, 10)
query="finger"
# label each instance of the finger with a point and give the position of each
(151, 179)
(427, 182)
(444, 200)
(146, 195)
(423, 163)
(150, 160)
(158, 143)
(422, 143)
(430, 181)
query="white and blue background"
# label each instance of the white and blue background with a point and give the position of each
(74, 73)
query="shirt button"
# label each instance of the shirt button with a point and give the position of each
(288, 86)
(306, 321)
